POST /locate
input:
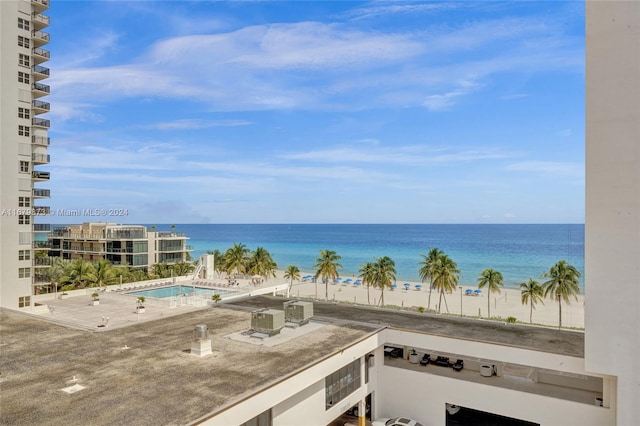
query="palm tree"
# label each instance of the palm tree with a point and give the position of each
(491, 279)
(426, 272)
(563, 282)
(383, 274)
(327, 269)
(235, 259)
(80, 274)
(531, 292)
(291, 273)
(57, 270)
(161, 270)
(105, 273)
(445, 277)
(181, 268)
(261, 263)
(366, 274)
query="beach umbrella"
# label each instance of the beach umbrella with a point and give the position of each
(418, 286)
(358, 282)
(478, 292)
(394, 285)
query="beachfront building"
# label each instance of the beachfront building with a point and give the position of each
(132, 245)
(23, 146)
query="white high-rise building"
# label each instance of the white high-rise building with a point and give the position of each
(23, 145)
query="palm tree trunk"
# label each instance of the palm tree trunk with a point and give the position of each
(559, 312)
(326, 290)
(440, 301)
(429, 301)
(316, 282)
(445, 303)
(368, 299)
(488, 303)
(382, 296)
(531, 312)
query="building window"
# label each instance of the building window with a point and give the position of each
(24, 131)
(263, 419)
(24, 77)
(24, 60)
(24, 167)
(24, 42)
(24, 113)
(342, 383)
(24, 272)
(24, 219)
(24, 254)
(24, 201)
(24, 301)
(23, 24)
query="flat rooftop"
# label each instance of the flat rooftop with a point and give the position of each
(144, 373)
(141, 372)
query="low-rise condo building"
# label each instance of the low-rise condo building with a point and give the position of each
(132, 245)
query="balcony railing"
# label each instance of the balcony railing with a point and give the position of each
(41, 122)
(41, 193)
(40, 55)
(40, 140)
(41, 87)
(40, 35)
(41, 227)
(41, 210)
(42, 261)
(41, 244)
(40, 5)
(39, 69)
(40, 107)
(39, 20)
(41, 158)
(40, 175)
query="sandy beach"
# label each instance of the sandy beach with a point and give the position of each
(506, 304)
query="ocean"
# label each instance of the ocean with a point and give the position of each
(519, 252)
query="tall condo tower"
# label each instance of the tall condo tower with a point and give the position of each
(24, 143)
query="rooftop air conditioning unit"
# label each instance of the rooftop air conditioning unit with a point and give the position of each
(487, 370)
(267, 321)
(297, 311)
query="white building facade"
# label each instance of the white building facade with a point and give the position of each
(23, 145)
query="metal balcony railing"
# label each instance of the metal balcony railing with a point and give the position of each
(40, 140)
(40, 4)
(41, 227)
(38, 51)
(41, 87)
(39, 69)
(41, 35)
(40, 20)
(41, 122)
(41, 244)
(42, 261)
(40, 107)
(41, 193)
(40, 175)
(41, 158)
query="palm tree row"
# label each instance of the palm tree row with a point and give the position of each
(442, 274)
(80, 273)
(239, 260)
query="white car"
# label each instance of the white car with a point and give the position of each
(396, 421)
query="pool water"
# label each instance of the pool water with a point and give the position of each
(179, 290)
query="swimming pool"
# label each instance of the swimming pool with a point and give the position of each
(179, 290)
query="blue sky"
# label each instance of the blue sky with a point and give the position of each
(318, 112)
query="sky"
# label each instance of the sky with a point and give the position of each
(316, 112)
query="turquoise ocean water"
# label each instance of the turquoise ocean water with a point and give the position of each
(519, 252)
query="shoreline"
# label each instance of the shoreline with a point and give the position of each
(506, 304)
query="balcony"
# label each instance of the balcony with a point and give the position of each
(41, 193)
(42, 261)
(40, 140)
(40, 55)
(40, 72)
(41, 245)
(39, 107)
(40, 5)
(40, 38)
(39, 21)
(41, 210)
(41, 227)
(39, 90)
(41, 158)
(38, 175)
(41, 122)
